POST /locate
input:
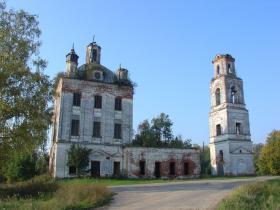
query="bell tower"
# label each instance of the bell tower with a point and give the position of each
(230, 138)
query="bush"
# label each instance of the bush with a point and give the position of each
(45, 194)
(20, 168)
(29, 189)
(260, 195)
(78, 157)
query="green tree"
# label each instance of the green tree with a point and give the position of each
(159, 133)
(162, 128)
(257, 148)
(145, 136)
(205, 160)
(78, 157)
(25, 91)
(20, 168)
(269, 160)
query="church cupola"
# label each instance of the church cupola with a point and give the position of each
(93, 53)
(223, 65)
(72, 63)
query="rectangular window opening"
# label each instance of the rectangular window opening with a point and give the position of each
(75, 126)
(98, 102)
(77, 99)
(118, 104)
(218, 130)
(118, 131)
(97, 129)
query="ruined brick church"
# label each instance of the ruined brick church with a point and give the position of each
(94, 108)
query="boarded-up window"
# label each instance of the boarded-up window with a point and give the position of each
(75, 126)
(142, 165)
(97, 129)
(77, 99)
(218, 130)
(118, 104)
(118, 131)
(172, 168)
(98, 102)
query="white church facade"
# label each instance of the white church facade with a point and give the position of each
(94, 109)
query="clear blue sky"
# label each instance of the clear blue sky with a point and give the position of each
(168, 46)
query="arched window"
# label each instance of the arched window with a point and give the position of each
(229, 68)
(218, 96)
(233, 95)
(218, 70)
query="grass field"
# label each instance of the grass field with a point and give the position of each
(46, 194)
(259, 195)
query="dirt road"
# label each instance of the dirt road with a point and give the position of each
(192, 194)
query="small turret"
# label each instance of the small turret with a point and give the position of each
(122, 74)
(93, 53)
(72, 63)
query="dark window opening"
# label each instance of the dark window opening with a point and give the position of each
(238, 128)
(221, 154)
(218, 70)
(72, 170)
(157, 170)
(218, 130)
(98, 102)
(172, 168)
(186, 168)
(218, 96)
(118, 104)
(77, 99)
(117, 168)
(75, 127)
(94, 55)
(142, 165)
(97, 129)
(229, 68)
(233, 95)
(118, 131)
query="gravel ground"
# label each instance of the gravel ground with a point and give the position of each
(191, 194)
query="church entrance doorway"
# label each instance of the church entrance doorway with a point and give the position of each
(95, 168)
(157, 169)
